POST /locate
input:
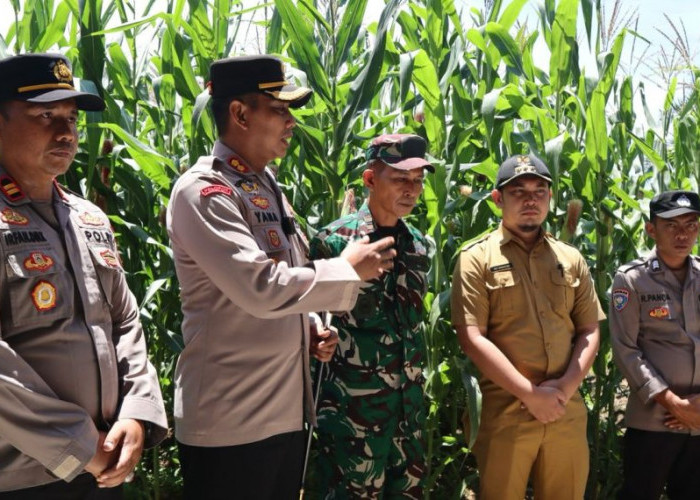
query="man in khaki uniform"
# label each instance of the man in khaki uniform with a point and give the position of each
(526, 313)
(242, 380)
(655, 332)
(78, 397)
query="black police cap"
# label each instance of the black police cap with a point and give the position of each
(519, 165)
(674, 203)
(43, 78)
(236, 76)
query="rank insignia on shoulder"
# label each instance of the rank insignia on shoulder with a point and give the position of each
(10, 189)
(274, 238)
(655, 266)
(260, 202)
(501, 267)
(248, 186)
(620, 298)
(238, 165)
(38, 261)
(11, 217)
(44, 296)
(91, 219)
(215, 188)
(660, 312)
(109, 258)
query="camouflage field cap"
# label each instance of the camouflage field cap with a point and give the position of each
(236, 76)
(402, 151)
(674, 203)
(43, 78)
(519, 165)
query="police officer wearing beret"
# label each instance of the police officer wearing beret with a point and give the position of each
(242, 381)
(526, 313)
(655, 333)
(78, 397)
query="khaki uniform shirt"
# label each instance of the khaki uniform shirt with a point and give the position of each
(245, 286)
(530, 303)
(72, 352)
(655, 333)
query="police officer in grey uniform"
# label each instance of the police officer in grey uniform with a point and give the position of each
(655, 331)
(242, 381)
(78, 397)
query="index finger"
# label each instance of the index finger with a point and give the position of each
(385, 242)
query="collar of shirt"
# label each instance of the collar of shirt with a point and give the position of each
(506, 237)
(656, 265)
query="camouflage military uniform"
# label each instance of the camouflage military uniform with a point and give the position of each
(371, 411)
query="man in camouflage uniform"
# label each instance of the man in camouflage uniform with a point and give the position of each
(371, 414)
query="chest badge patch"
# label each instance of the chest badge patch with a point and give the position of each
(238, 165)
(109, 258)
(620, 298)
(274, 238)
(91, 219)
(44, 296)
(260, 202)
(215, 188)
(249, 187)
(11, 217)
(38, 261)
(660, 312)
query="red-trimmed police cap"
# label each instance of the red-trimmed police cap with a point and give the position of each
(402, 151)
(236, 76)
(43, 78)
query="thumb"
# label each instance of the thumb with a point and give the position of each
(114, 436)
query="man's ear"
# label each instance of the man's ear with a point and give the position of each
(237, 112)
(651, 230)
(497, 198)
(368, 178)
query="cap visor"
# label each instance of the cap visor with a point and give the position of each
(295, 96)
(85, 101)
(411, 163)
(676, 212)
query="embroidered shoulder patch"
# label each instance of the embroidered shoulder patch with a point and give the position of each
(91, 219)
(620, 298)
(215, 188)
(109, 258)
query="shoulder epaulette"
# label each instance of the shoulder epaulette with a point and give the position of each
(631, 265)
(475, 242)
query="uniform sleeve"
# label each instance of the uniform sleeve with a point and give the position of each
(140, 395)
(58, 434)
(469, 298)
(213, 233)
(587, 308)
(625, 309)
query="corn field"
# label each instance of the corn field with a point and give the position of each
(470, 78)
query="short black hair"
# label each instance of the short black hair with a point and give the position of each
(220, 107)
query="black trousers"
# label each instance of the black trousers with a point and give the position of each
(655, 459)
(267, 469)
(83, 487)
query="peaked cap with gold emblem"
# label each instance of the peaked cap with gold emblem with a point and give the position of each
(519, 165)
(43, 78)
(236, 76)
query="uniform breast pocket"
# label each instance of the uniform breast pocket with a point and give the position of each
(271, 238)
(108, 268)
(564, 285)
(506, 292)
(40, 289)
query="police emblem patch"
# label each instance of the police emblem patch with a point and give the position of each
(91, 219)
(11, 217)
(248, 186)
(274, 238)
(215, 188)
(38, 261)
(109, 258)
(44, 296)
(660, 312)
(62, 72)
(260, 202)
(620, 298)
(683, 201)
(238, 165)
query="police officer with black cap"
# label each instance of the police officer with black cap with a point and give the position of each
(655, 332)
(242, 381)
(78, 397)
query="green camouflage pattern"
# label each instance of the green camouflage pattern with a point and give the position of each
(371, 409)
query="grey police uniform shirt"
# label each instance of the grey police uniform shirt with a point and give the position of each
(245, 289)
(72, 351)
(655, 333)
